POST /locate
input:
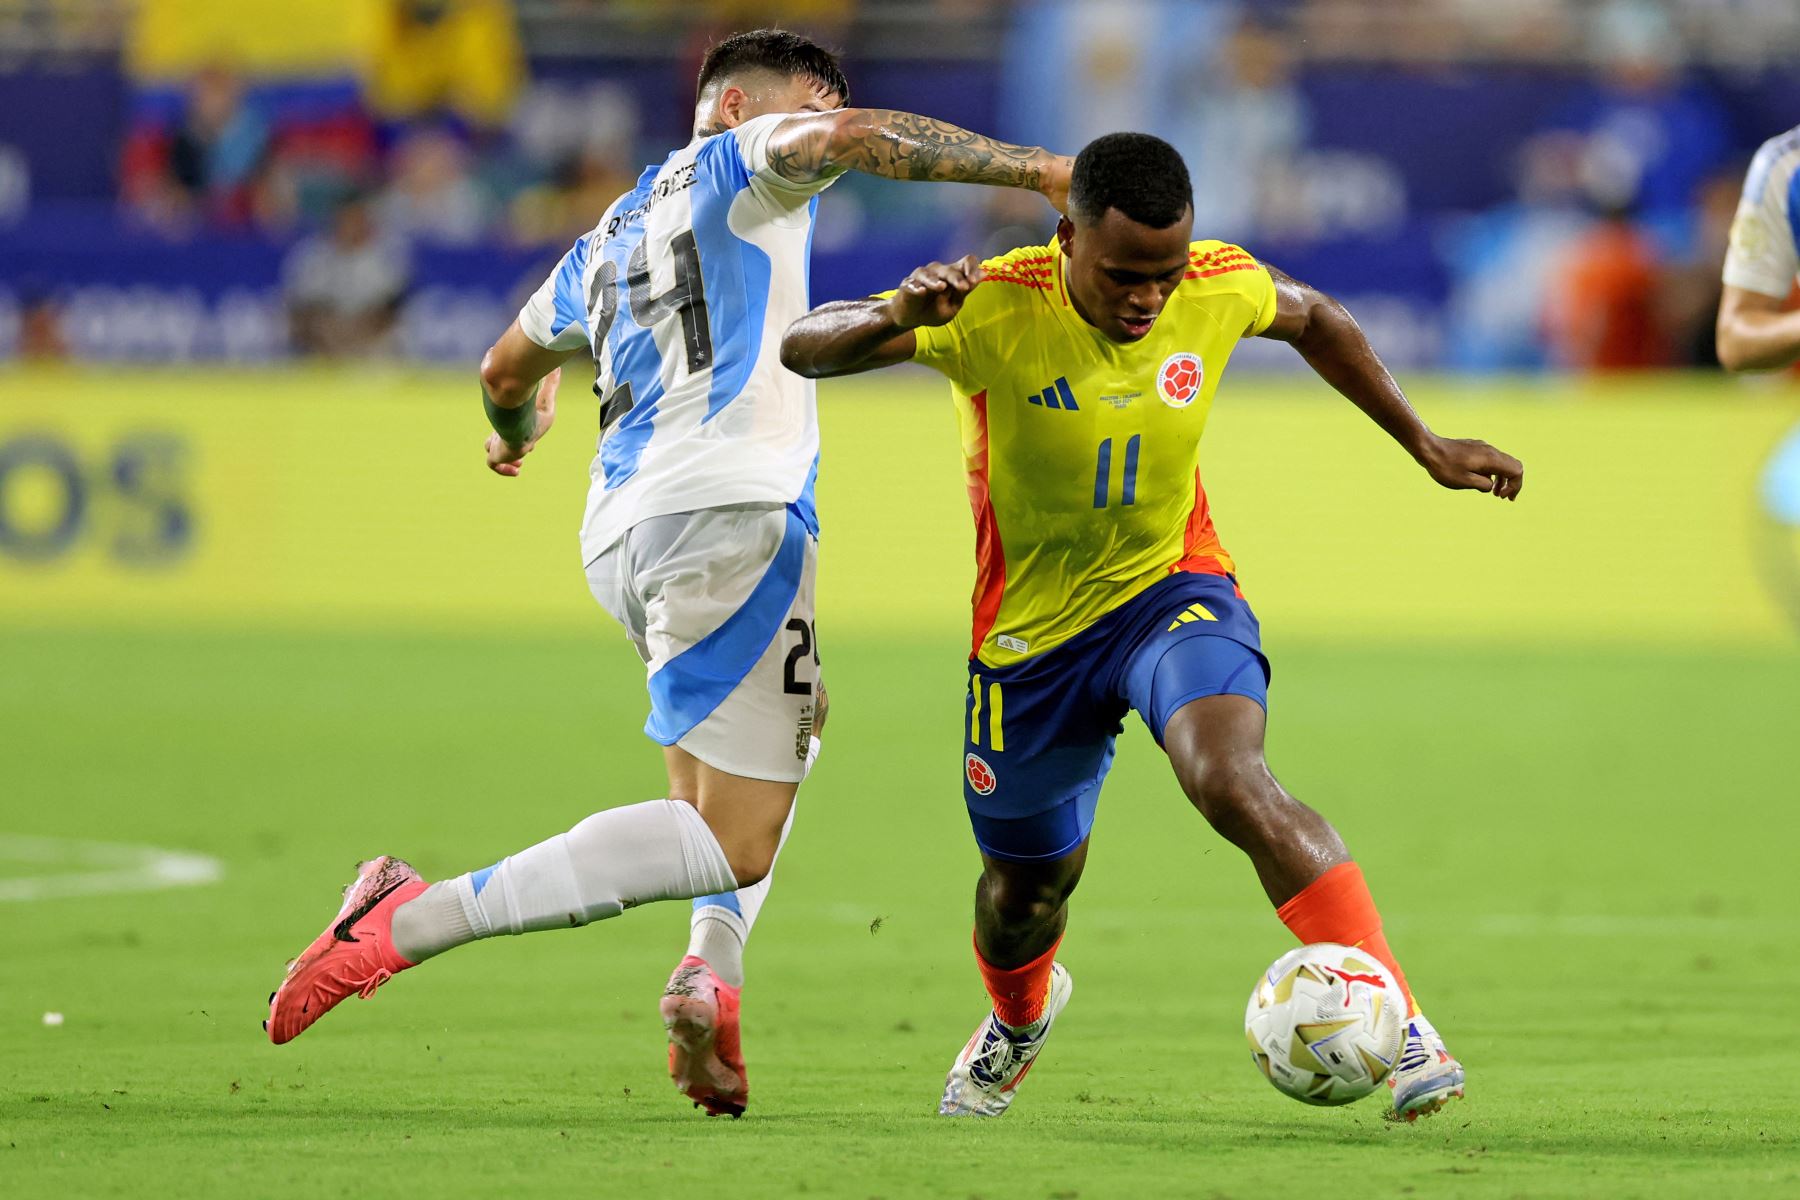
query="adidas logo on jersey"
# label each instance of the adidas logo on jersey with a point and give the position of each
(1057, 395)
(1195, 612)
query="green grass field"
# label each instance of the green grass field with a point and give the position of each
(1579, 844)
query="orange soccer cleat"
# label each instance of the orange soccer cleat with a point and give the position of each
(354, 956)
(706, 1055)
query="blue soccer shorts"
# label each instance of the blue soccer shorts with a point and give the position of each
(1038, 735)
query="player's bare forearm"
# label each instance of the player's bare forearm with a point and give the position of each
(861, 335)
(1754, 333)
(513, 366)
(903, 145)
(518, 393)
(1335, 347)
(844, 338)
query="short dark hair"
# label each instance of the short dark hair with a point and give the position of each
(777, 50)
(1140, 175)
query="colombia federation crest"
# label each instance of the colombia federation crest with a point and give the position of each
(1178, 379)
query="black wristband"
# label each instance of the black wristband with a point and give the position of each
(514, 425)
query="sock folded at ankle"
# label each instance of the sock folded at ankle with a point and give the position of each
(1019, 993)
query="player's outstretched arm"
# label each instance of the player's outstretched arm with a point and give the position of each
(1754, 333)
(518, 392)
(903, 145)
(848, 336)
(1333, 344)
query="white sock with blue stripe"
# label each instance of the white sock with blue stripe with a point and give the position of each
(721, 923)
(612, 861)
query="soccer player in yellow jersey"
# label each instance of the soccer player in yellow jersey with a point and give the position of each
(1083, 372)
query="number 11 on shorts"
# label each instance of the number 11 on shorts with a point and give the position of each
(996, 734)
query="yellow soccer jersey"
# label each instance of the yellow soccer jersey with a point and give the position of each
(1083, 455)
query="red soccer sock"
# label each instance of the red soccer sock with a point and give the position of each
(1337, 907)
(1019, 992)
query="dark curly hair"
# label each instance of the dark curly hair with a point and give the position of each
(1140, 175)
(776, 50)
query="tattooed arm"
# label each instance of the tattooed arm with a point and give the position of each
(900, 145)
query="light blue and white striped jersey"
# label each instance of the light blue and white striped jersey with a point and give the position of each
(684, 291)
(1765, 236)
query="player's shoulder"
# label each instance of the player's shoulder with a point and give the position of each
(1021, 272)
(1213, 259)
(1015, 288)
(1221, 270)
(1781, 143)
(1777, 159)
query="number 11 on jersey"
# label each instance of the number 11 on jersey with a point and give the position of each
(1103, 473)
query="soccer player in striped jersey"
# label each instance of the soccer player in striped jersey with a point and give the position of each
(1756, 328)
(1083, 372)
(700, 535)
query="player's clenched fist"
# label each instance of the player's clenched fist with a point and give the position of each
(503, 457)
(1470, 464)
(934, 294)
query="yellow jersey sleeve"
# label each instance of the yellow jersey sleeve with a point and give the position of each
(1220, 270)
(945, 348)
(1265, 311)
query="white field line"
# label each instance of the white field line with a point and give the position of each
(98, 868)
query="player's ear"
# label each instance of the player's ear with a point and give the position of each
(731, 106)
(1065, 235)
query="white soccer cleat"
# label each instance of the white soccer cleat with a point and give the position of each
(1427, 1078)
(993, 1064)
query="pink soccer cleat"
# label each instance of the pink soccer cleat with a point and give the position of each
(706, 1057)
(354, 956)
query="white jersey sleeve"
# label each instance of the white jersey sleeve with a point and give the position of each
(556, 316)
(1763, 256)
(753, 138)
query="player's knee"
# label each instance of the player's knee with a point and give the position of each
(747, 873)
(1236, 795)
(750, 865)
(749, 853)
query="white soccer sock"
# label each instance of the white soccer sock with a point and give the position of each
(613, 860)
(721, 924)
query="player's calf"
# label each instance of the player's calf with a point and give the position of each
(1021, 908)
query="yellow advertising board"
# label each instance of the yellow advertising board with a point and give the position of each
(357, 497)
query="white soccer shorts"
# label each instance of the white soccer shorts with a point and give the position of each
(719, 603)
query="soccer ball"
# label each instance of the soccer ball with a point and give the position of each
(1326, 1023)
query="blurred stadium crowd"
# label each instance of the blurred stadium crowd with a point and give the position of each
(1535, 184)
